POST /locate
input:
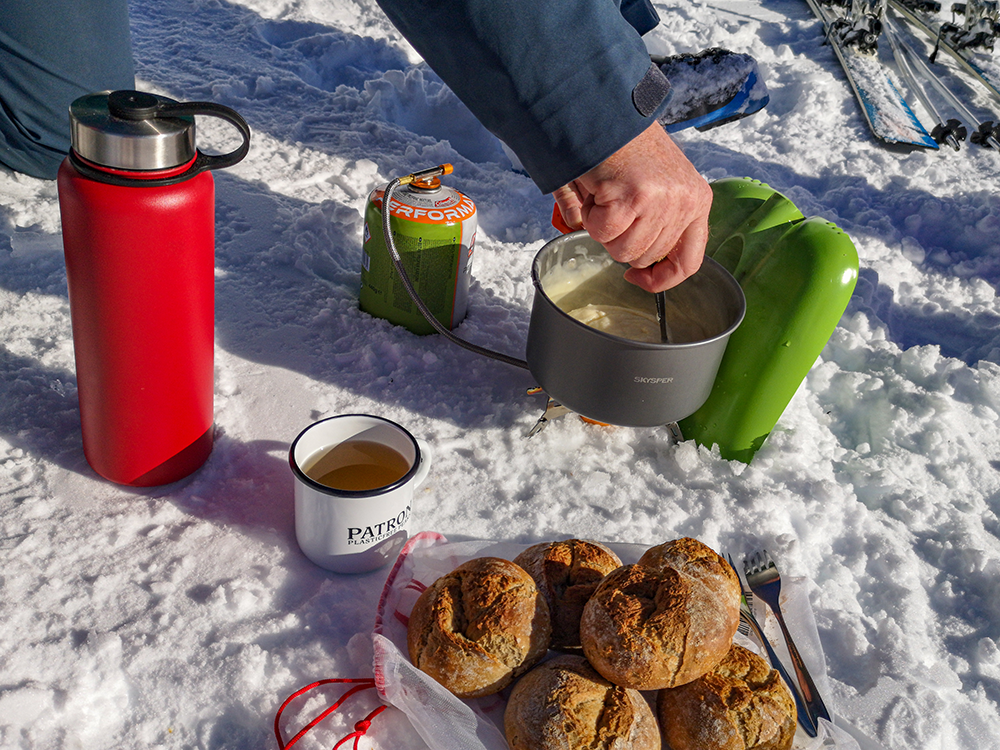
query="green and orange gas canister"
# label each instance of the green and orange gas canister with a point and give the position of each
(434, 231)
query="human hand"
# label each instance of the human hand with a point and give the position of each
(648, 206)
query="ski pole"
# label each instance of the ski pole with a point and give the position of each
(951, 131)
(987, 133)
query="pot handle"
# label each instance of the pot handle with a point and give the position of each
(559, 222)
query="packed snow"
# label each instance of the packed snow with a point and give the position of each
(182, 616)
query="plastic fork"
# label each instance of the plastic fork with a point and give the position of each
(765, 581)
(750, 628)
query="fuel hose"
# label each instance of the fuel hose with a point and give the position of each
(397, 262)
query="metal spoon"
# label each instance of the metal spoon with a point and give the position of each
(661, 315)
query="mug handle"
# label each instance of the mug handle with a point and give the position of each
(426, 455)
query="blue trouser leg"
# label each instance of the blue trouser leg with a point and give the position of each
(51, 52)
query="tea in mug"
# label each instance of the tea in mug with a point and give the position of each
(357, 465)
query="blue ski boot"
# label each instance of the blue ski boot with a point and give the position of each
(710, 88)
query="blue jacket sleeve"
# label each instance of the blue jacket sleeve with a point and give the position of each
(52, 52)
(565, 84)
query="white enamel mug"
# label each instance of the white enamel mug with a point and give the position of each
(354, 531)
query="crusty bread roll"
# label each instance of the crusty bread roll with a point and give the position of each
(742, 704)
(564, 704)
(478, 627)
(665, 621)
(567, 573)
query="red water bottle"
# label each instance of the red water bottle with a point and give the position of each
(137, 202)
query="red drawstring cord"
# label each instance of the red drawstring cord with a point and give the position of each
(360, 729)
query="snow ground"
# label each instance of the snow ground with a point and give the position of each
(181, 616)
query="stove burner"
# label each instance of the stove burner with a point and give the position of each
(554, 410)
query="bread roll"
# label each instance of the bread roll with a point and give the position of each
(665, 621)
(478, 627)
(564, 704)
(742, 704)
(567, 573)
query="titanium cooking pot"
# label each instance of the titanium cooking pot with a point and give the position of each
(617, 380)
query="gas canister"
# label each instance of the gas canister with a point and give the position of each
(434, 230)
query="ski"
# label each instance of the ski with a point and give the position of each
(946, 131)
(952, 132)
(970, 42)
(853, 34)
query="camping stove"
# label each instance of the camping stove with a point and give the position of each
(554, 410)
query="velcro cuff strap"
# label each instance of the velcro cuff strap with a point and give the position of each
(650, 92)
